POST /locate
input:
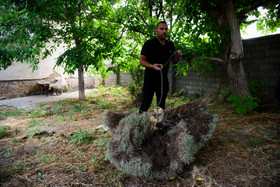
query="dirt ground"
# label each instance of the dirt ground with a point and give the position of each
(59, 144)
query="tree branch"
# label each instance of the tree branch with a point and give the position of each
(254, 6)
(249, 22)
(95, 17)
(133, 55)
(138, 13)
(161, 10)
(195, 57)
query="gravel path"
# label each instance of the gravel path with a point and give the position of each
(29, 101)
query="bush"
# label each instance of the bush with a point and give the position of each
(243, 104)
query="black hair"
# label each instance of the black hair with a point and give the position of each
(161, 22)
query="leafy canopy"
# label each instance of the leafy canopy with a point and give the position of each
(88, 30)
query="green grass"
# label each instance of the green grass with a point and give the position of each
(16, 140)
(32, 133)
(18, 167)
(4, 130)
(10, 112)
(46, 159)
(34, 122)
(80, 138)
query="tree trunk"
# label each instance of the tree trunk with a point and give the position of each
(237, 79)
(118, 74)
(233, 49)
(235, 69)
(81, 82)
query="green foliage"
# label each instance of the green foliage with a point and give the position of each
(80, 138)
(82, 23)
(117, 96)
(46, 159)
(35, 123)
(254, 86)
(18, 167)
(40, 176)
(40, 150)
(135, 87)
(4, 130)
(243, 104)
(103, 104)
(77, 107)
(7, 153)
(98, 160)
(39, 112)
(16, 140)
(226, 92)
(17, 42)
(10, 112)
(33, 132)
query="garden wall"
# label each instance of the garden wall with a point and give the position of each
(261, 62)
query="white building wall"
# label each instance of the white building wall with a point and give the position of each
(22, 71)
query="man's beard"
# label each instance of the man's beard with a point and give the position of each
(162, 36)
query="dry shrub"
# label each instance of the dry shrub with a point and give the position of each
(138, 149)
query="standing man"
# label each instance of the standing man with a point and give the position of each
(155, 57)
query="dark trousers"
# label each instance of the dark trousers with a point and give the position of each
(153, 85)
(277, 91)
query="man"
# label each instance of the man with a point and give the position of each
(155, 56)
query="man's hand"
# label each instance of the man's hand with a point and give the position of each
(158, 67)
(178, 54)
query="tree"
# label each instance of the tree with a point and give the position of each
(17, 39)
(206, 31)
(213, 29)
(139, 20)
(84, 27)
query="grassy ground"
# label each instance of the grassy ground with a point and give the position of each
(58, 144)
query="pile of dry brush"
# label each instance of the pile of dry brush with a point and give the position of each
(140, 149)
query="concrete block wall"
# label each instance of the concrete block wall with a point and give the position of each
(125, 79)
(261, 62)
(208, 84)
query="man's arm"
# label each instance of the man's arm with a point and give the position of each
(146, 64)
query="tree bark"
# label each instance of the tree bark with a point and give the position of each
(81, 82)
(225, 15)
(235, 69)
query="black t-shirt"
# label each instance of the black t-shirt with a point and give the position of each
(157, 53)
